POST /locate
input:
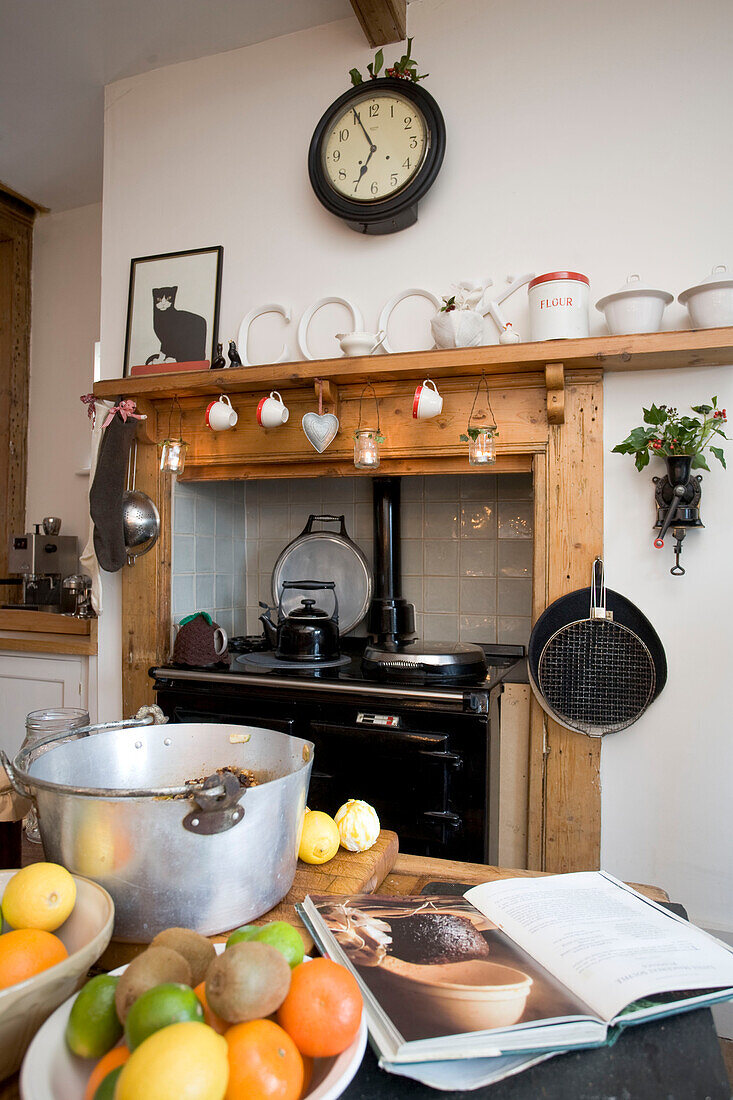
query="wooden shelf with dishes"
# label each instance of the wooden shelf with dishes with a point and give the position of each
(646, 351)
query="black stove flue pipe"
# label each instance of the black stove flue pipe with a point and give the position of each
(391, 618)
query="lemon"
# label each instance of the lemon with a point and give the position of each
(93, 1027)
(358, 825)
(39, 896)
(319, 840)
(186, 1061)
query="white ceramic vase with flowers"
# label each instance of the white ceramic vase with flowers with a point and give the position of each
(458, 323)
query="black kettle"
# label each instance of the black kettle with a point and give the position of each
(307, 633)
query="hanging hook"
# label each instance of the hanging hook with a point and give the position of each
(483, 382)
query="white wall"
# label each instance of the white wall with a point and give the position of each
(67, 257)
(580, 135)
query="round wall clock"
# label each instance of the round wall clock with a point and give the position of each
(375, 152)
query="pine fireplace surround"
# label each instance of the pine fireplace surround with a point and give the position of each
(548, 402)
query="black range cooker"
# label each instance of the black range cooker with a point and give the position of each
(424, 754)
(409, 726)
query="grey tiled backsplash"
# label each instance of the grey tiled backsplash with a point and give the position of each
(466, 548)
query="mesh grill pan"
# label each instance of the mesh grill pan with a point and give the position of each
(596, 676)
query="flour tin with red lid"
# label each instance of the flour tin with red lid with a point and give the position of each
(558, 305)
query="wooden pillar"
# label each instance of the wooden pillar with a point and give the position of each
(565, 766)
(16, 241)
(146, 585)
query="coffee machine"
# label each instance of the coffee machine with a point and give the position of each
(43, 560)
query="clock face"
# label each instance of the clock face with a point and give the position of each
(375, 147)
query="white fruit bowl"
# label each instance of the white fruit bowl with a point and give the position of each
(24, 1007)
(51, 1072)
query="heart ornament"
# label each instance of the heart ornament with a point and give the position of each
(320, 429)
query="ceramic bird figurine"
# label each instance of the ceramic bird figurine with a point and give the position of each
(220, 361)
(234, 360)
(508, 335)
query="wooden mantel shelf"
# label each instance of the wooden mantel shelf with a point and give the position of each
(651, 351)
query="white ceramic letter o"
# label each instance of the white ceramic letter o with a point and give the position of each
(243, 335)
(356, 320)
(384, 316)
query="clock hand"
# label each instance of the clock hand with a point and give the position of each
(363, 168)
(358, 119)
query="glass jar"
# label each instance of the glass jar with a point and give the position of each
(366, 449)
(173, 455)
(72, 590)
(482, 449)
(45, 723)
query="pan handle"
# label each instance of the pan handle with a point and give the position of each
(325, 519)
(15, 782)
(598, 591)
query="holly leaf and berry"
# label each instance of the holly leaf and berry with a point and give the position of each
(404, 69)
(668, 434)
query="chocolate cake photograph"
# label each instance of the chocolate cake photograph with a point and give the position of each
(438, 967)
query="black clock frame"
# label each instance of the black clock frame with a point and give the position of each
(400, 210)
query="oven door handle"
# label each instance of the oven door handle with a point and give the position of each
(451, 758)
(448, 818)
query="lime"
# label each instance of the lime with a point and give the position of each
(244, 934)
(106, 1088)
(93, 1026)
(186, 1061)
(281, 935)
(170, 1003)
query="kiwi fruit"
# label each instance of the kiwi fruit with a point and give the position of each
(154, 966)
(248, 981)
(195, 948)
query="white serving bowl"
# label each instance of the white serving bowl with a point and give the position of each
(635, 307)
(710, 303)
(51, 1072)
(24, 1007)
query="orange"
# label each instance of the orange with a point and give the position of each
(210, 1017)
(322, 1010)
(26, 952)
(264, 1063)
(115, 1057)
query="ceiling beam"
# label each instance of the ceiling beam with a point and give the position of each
(382, 21)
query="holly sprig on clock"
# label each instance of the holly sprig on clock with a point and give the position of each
(404, 69)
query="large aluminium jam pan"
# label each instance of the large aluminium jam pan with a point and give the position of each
(128, 807)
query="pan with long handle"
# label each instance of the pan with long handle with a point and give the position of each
(595, 661)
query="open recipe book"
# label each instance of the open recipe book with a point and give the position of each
(518, 965)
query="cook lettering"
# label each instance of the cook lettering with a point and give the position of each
(548, 303)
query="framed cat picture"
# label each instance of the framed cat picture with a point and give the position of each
(173, 311)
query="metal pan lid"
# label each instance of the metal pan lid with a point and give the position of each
(333, 556)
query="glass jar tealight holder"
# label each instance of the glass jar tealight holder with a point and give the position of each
(367, 440)
(482, 447)
(173, 449)
(366, 449)
(173, 455)
(481, 436)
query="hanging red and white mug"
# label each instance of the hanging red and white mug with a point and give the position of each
(427, 402)
(220, 416)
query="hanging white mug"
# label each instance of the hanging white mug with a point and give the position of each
(272, 411)
(220, 416)
(427, 402)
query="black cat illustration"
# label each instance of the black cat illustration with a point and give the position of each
(182, 334)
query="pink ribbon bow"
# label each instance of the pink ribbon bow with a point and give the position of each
(91, 403)
(125, 408)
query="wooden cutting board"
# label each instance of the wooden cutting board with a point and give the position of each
(346, 873)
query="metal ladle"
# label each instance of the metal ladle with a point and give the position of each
(140, 518)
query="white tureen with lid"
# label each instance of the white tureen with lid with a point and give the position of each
(635, 307)
(710, 302)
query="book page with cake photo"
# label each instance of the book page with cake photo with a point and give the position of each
(519, 965)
